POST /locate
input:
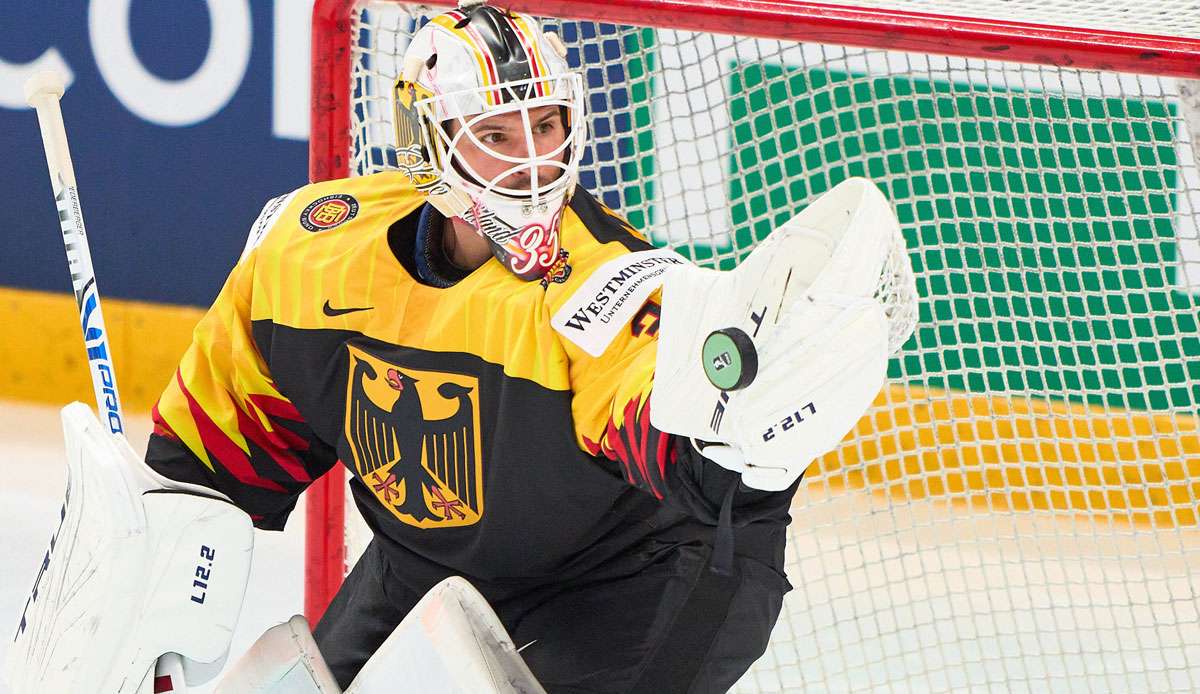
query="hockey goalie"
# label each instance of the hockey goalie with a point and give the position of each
(600, 439)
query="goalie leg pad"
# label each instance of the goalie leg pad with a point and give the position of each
(135, 570)
(284, 660)
(451, 642)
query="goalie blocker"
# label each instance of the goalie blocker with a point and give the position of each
(139, 566)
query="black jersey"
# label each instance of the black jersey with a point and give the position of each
(483, 440)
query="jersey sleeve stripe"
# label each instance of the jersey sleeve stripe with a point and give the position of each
(629, 442)
(226, 452)
(276, 408)
(273, 445)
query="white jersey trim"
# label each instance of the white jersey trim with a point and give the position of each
(271, 212)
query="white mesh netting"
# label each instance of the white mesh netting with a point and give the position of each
(1018, 511)
(1176, 18)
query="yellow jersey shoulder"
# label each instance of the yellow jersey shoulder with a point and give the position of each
(331, 208)
(323, 239)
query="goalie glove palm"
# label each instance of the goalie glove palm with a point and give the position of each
(823, 300)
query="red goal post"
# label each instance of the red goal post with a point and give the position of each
(1046, 178)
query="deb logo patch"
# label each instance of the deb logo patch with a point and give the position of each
(328, 212)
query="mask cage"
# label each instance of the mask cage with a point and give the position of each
(470, 107)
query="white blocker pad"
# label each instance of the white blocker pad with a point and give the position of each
(824, 299)
(451, 643)
(139, 566)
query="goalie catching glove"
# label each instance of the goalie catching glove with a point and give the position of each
(777, 360)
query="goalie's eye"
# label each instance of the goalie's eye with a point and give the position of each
(493, 138)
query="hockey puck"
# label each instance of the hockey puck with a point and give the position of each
(730, 360)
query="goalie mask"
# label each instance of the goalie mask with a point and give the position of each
(489, 124)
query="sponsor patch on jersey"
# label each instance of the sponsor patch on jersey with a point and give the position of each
(328, 212)
(266, 219)
(610, 298)
(415, 439)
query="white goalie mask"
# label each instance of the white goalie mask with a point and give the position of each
(489, 124)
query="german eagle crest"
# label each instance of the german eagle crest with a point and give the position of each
(415, 439)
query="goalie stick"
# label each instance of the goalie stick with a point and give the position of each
(43, 92)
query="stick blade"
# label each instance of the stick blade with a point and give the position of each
(44, 83)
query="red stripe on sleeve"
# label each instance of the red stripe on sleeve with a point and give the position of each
(224, 450)
(637, 428)
(161, 428)
(277, 408)
(273, 445)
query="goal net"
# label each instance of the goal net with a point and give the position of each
(1018, 510)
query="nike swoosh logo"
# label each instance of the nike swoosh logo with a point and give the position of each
(333, 312)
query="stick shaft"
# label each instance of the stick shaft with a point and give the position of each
(79, 260)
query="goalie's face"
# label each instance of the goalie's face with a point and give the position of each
(514, 153)
(490, 124)
(517, 166)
